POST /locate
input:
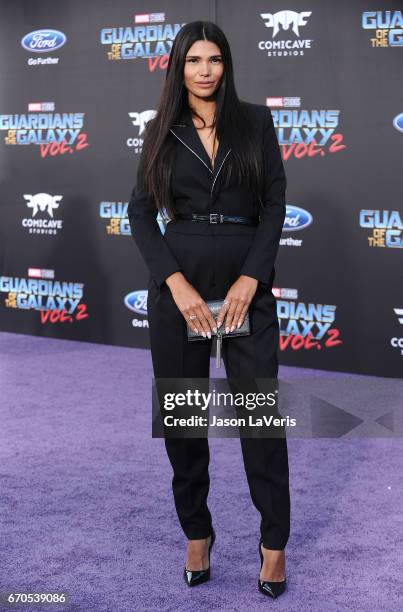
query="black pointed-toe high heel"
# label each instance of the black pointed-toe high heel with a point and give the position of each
(193, 577)
(270, 588)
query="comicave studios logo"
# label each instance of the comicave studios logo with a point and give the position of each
(139, 121)
(285, 32)
(42, 204)
(398, 342)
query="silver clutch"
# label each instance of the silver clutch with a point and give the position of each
(215, 306)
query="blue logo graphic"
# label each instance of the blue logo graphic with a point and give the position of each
(43, 41)
(296, 218)
(137, 301)
(398, 122)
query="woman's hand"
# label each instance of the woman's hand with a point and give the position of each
(238, 300)
(191, 304)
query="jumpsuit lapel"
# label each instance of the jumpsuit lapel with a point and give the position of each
(186, 132)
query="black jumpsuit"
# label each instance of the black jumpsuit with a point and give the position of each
(212, 257)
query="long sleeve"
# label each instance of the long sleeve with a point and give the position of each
(261, 256)
(146, 233)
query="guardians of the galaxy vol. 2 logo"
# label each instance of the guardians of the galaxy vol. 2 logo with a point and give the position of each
(57, 301)
(386, 226)
(55, 133)
(115, 213)
(150, 38)
(305, 132)
(385, 27)
(304, 325)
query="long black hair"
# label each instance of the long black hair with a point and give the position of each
(230, 121)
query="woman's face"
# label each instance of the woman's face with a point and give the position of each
(203, 68)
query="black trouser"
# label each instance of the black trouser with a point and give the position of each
(254, 356)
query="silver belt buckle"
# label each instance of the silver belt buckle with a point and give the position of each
(213, 218)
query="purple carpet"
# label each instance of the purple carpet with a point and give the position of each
(87, 507)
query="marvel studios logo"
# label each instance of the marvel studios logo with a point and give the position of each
(285, 293)
(283, 102)
(40, 273)
(149, 18)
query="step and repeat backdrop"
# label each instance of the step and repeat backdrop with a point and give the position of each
(80, 80)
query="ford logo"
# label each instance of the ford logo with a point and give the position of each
(137, 301)
(398, 122)
(296, 218)
(41, 41)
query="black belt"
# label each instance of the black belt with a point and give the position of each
(218, 218)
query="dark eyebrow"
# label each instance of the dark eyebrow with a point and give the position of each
(198, 56)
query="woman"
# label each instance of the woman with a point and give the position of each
(207, 153)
